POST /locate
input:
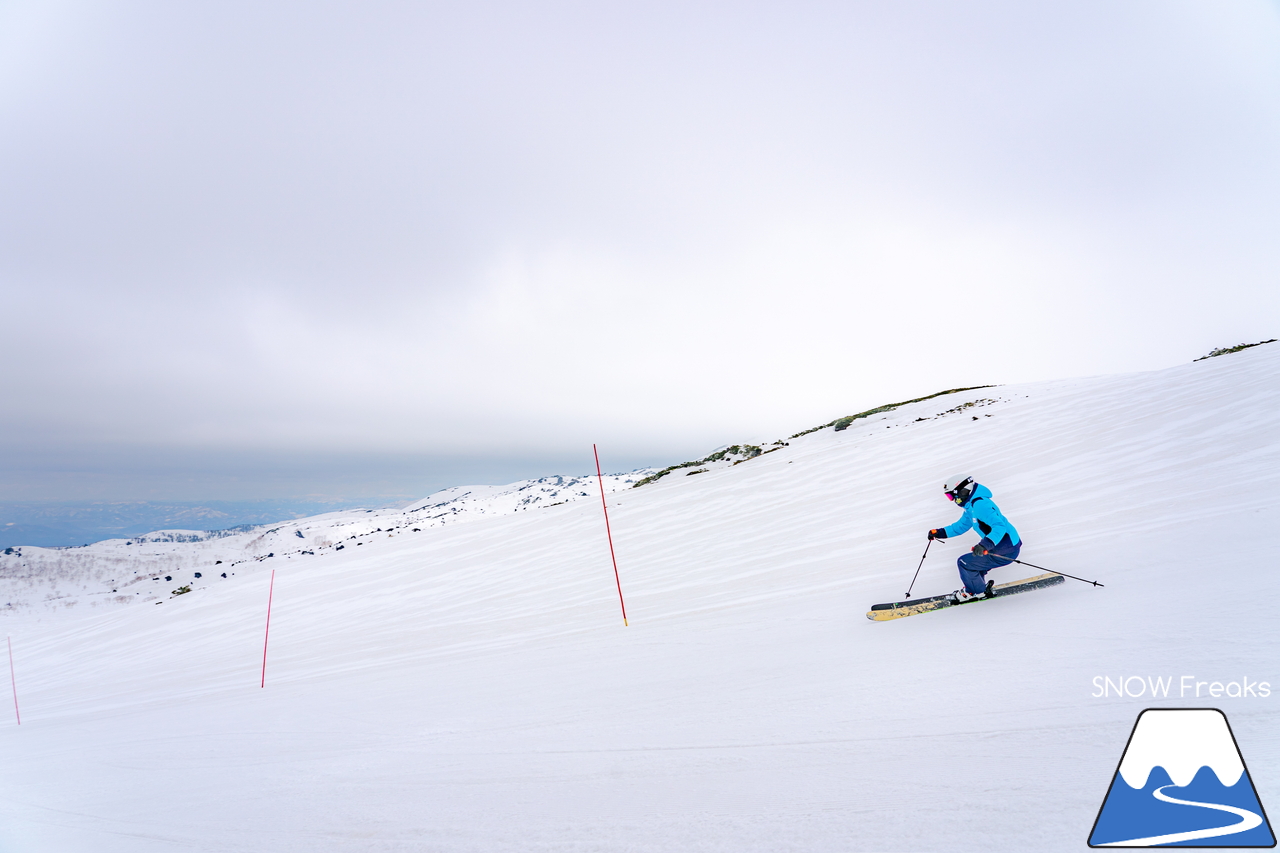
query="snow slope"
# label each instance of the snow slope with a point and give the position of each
(144, 569)
(472, 687)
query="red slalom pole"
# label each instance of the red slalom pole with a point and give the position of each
(13, 681)
(609, 533)
(270, 592)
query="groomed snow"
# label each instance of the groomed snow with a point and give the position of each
(145, 569)
(472, 687)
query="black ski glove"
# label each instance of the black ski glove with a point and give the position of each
(937, 533)
(980, 550)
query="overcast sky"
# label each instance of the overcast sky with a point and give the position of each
(244, 239)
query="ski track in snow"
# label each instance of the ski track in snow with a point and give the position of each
(470, 687)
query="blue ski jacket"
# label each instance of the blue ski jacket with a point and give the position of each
(981, 512)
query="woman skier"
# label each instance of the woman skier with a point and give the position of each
(999, 539)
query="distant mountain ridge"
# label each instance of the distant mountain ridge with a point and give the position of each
(55, 524)
(145, 567)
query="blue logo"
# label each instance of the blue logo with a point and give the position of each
(1182, 783)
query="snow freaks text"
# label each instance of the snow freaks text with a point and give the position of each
(1182, 687)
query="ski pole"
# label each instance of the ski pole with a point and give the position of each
(917, 574)
(1043, 569)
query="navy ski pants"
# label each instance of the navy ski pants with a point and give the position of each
(973, 569)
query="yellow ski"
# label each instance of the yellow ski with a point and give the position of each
(899, 610)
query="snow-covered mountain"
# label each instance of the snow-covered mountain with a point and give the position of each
(471, 687)
(146, 568)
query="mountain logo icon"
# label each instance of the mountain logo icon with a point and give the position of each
(1182, 783)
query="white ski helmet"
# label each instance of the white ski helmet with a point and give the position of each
(958, 489)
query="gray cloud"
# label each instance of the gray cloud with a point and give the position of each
(510, 228)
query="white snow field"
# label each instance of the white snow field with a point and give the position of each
(472, 687)
(146, 568)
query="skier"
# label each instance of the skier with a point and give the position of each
(999, 539)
